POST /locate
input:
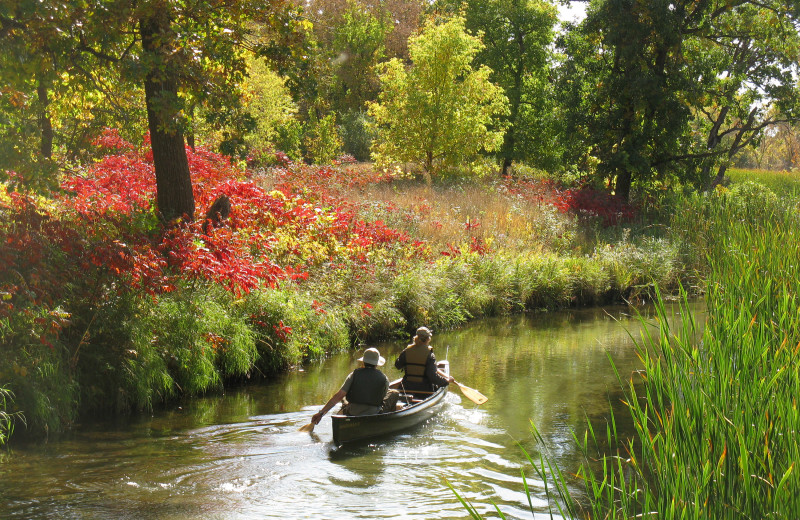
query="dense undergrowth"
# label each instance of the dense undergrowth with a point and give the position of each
(102, 308)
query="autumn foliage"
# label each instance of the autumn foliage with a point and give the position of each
(104, 304)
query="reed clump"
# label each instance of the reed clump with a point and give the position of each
(715, 407)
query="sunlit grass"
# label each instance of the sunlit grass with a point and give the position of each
(778, 181)
(453, 215)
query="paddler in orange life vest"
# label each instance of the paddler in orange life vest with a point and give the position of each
(419, 364)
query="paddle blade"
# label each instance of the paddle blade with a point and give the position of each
(472, 394)
(307, 428)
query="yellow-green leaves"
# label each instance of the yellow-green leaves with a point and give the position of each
(438, 113)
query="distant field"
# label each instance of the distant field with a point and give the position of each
(777, 181)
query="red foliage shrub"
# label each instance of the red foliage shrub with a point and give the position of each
(105, 226)
(588, 201)
(582, 201)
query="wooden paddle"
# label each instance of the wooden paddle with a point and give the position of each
(307, 428)
(472, 394)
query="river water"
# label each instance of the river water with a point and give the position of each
(240, 456)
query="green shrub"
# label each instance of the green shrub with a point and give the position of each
(185, 342)
(7, 416)
(322, 142)
(635, 269)
(413, 295)
(290, 327)
(289, 138)
(751, 200)
(35, 369)
(378, 321)
(543, 282)
(591, 282)
(270, 105)
(494, 285)
(357, 135)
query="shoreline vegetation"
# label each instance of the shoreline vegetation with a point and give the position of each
(555, 164)
(105, 310)
(715, 412)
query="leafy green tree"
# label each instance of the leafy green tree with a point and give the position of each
(622, 87)
(517, 35)
(358, 46)
(438, 113)
(322, 141)
(637, 72)
(357, 134)
(269, 100)
(56, 90)
(182, 54)
(746, 82)
(403, 18)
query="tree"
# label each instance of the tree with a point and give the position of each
(164, 106)
(49, 80)
(403, 17)
(517, 35)
(269, 101)
(621, 83)
(358, 46)
(746, 66)
(637, 72)
(182, 54)
(439, 112)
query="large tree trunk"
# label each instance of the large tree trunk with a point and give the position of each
(622, 188)
(173, 180)
(428, 168)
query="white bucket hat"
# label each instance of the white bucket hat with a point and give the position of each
(372, 357)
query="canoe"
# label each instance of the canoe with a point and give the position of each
(416, 408)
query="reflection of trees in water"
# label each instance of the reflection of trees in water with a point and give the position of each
(552, 369)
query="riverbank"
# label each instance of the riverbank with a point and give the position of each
(104, 311)
(714, 407)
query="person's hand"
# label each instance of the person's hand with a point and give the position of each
(451, 379)
(316, 418)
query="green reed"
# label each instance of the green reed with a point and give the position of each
(6, 417)
(714, 407)
(715, 412)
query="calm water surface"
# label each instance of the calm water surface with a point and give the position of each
(239, 455)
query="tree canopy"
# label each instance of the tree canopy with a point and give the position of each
(171, 55)
(641, 79)
(440, 111)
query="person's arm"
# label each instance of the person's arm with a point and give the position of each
(338, 396)
(450, 379)
(400, 362)
(434, 375)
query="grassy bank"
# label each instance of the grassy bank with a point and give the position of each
(104, 310)
(715, 412)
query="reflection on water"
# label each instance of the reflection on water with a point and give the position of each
(240, 455)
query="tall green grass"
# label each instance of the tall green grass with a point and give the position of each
(6, 416)
(777, 181)
(135, 351)
(715, 411)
